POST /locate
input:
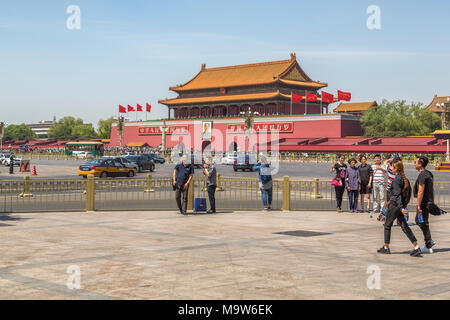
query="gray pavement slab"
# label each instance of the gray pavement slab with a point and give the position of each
(234, 255)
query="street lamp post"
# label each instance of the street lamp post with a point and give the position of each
(2, 133)
(164, 130)
(120, 128)
(445, 116)
(249, 123)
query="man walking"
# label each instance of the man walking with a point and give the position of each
(379, 171)
(182, 176)
(424, 192)
(209, 170)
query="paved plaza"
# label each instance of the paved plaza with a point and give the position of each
(228, 255)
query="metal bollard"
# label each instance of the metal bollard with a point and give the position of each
(26, 187)
(286, 194)
(190, 204)
(90, 193)
(219, 185)
(315, 194)
(149, 184)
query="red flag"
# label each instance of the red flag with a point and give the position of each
(139, 107)
(122, 109)
(345, 96)
(149, 107)
(297, 98)
(311, 97)
(327, 97)
(130, 108)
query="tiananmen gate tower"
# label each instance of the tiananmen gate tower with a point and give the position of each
(207, 113)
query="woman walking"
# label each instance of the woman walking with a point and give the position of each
(353, 185)
(339, 181)
(398, 202)
(366, 175)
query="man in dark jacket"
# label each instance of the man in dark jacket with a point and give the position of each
(182, 176)
(424, 192)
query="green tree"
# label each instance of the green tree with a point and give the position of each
(18, 132)
(104, 128)
(69, 128)
(399, 119)
(83, 131)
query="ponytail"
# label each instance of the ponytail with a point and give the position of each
(401, 170)
(405, 180)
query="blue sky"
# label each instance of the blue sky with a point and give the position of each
(132, 51)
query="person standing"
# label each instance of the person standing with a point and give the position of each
(209, 170)
(264, 169)
(424, 192)
(11, 163)
(379, 173)
(353, 185)
(390, 175)
(182, 176)
(366, 175)
(340, 168)
(396, 210)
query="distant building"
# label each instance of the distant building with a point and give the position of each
(438, 100)
(41, 128)
(355, 108)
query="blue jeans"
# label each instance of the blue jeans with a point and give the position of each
(353, 199)
(266, 197)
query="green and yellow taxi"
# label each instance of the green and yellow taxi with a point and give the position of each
(105, 167)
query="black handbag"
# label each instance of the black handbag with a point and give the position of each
(435, 210)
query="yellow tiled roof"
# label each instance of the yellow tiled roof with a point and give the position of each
(248, 74)
(355, 106)
(225, 98)
(136, 144)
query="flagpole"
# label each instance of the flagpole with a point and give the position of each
(305, 102)
(291, 103)
(321, 107)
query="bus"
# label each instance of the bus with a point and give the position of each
(93, 148)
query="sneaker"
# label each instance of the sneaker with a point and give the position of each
(433, 243)
(426, 250)
(416, 253)
(265, 209)
(384, 250)
(184, 212)
(211, 211)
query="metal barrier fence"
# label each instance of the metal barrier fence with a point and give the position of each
(152, 193)
(42, 195)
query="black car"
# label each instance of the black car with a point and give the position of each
(143, 162)
(244, 163)
(155, 157)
